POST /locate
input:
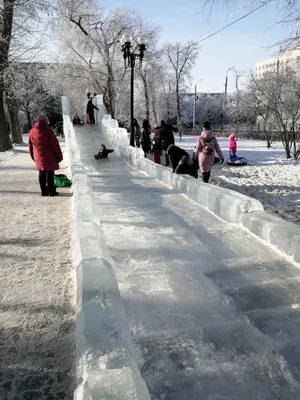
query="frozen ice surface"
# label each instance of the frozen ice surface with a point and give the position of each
(118, 384)
(212, 311)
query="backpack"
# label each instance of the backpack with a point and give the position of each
(61, 180)
(208, 145)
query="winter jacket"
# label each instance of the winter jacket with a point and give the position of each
(166, 136)
(145, 140)
(232, 143)
(176, 154)
(44, 147)
(90, 108)
(206, 161)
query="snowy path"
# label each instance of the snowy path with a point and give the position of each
(214, 313)
(37, 289)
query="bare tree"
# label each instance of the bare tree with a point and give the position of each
(19, 22)
(278, 96)
(257, 110)
(94, 37)
(6, 25)
(288, 10)
(181, 58)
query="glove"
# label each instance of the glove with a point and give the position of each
(221, 162)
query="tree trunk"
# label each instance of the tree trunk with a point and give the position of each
(286, 144)
(147, 101)
(178, 103)
(5, 142)
(29, 123)
(7, 11)
(154, 109)
(294, 144)
(110, 86)
(111, 101)
(267, 136)
(15, 130)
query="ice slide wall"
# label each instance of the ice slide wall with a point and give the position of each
(228, 205)
(106, 366)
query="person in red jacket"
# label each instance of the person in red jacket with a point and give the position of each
(45, 151)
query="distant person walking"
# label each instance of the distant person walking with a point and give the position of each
(206, 146)
(45, 151)
(90, 111)
(145, 138)
(166, 138)
(137, 133)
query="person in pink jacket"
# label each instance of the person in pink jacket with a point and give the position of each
(206, 147)
(232, 146)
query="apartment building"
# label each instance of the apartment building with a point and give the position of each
(288, 58)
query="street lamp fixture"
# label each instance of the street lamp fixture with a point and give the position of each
(130, 55)
(195, 100)
(225, 97)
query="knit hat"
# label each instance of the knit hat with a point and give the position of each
(43, 118)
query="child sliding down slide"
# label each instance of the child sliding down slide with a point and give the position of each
(103, 153)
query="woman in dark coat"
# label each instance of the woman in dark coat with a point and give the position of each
(145, 139)
(166, 138)
(46, 153)
(180, 160)
(90, 111)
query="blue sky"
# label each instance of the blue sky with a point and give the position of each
(241, 45)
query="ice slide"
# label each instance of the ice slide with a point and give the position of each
(212, 311)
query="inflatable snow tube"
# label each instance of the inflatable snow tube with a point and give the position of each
(237, 161)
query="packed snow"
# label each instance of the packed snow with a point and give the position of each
(37, 285)
(268, 177)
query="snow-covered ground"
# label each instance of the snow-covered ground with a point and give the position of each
(268, 177)
(22, 148)
(18, 148)
(37, 288)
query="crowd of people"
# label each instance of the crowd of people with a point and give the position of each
(45, 149)
(181, 162)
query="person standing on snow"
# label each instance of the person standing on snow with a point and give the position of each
(90, 111)
(206, 146)
(145, 139)
(232, 146)
(137, 133)
(45, 151)
(166, 138)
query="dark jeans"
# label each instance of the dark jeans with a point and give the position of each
(46, 180)
(167, 159)
(92, 118)
(206, 176)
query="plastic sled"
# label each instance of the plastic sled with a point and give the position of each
(237, 161)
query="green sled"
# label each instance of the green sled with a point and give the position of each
(61, 180)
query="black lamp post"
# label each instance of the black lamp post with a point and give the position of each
(129, 61)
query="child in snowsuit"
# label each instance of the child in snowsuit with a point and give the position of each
(232, 146)
(156, 149)
(103, 153)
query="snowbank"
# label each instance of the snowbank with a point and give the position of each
(106, 365)
(231, 206)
